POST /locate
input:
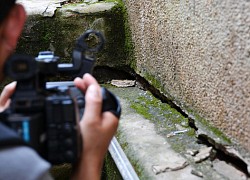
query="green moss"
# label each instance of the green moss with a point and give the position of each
(167, 120)
(191, 132)
(128, 43)
(59, 34)
(132, 159)
(138, 168)
(110, 170)
(143, 110)
(215, 131)
(45, 33)
(202, 123)
(153, 81)
(61, 172)
(198, 119)
(162, 114)
(123, 32)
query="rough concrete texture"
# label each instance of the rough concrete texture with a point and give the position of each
(146, 142)
(160, 145)
(47, 8)
(55, 25)
(199, 51)
(150, 149)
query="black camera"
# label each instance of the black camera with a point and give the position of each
(46, 114)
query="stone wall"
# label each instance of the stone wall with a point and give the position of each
(198, 54)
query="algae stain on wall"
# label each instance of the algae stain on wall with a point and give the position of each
(59, 33)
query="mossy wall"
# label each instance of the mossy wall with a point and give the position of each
(59, 33)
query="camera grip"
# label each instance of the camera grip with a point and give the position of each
(109, 101)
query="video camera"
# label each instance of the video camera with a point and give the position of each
(46, 114)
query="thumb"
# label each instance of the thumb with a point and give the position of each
(7, 93)
(93, 105)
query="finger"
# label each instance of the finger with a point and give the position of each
(86, 81)
(2, 108)
(80, 84)
(93, 104)
(6, 93)
(89, 79)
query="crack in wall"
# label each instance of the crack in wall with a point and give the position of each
(223, 152)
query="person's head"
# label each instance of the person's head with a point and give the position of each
(12, 19)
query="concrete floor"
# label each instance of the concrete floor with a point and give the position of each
(164, 147)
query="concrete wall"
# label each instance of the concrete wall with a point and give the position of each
(198, 54)
(55, 25)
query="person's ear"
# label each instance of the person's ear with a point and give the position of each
(12, 27)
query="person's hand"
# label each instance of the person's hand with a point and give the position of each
(97, 130)
(7, 92)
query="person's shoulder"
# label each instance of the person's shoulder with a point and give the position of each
(22, 162)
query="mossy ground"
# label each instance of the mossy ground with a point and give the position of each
(198, 120)
(167, 121)
(110, 171)
(165, 118)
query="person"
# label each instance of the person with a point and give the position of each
(97, 128)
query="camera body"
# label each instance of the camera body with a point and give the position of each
(46, 116)
(48, 123)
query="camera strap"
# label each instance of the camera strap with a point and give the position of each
(9, 137)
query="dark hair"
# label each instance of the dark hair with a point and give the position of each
(5, 6)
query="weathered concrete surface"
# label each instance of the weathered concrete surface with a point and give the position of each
(56, 24)
(197, 54)
(47, 8)
(149, 148)
(65, 26)
(154, 139)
